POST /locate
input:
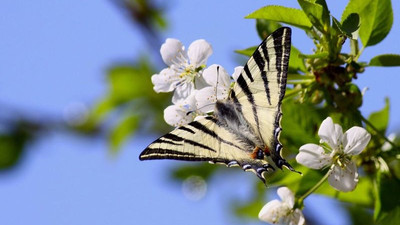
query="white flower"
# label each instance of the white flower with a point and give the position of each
(182, 112)
(183, 72)
(237, 72)
(282, 212)
(336, 153)
(219, 81)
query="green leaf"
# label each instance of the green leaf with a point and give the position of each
(350, 27)
(160, 20)
(250, 209)
(385, 60)
(122, 131)
(315, 56)
(299, 77)
(129, 82)
(295, 62)
(360, 215)
(300, 124)
(303, 183)
(266, 27)
(292, 16)
(390, 218)
(11, 149)
(13, 139)
(317, 12)
(377, 188)
(389, 195)
(361, 195)
(380, 119)
(376, 19)
(97, 114)
(247, 51)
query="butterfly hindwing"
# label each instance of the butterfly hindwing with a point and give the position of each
(202, 140)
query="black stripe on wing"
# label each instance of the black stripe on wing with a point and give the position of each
(248, 73)
(244, 86)
(260, 61)
(181, 140)
(282, 59)
(206, 130)
(160, 153)
(265, 53)
(186, 129)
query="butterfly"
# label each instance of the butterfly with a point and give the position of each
(245, 128)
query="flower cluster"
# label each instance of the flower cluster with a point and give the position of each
(196, 88)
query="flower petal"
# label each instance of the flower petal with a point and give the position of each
(200, 83)
(294, 218)
(344, 179)
(313, 156)
(355, 140)
(182, 92)
(286, 195)
(176, 115)
(205, 99)
(172, 52)
(165, 81)
(298, 217)
(198, 52)
(330, 133)
(270, 212)
(215, 75)
(237, 72)
(181, 113)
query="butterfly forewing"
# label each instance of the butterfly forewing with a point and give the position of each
(260, 88)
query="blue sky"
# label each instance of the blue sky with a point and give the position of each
(55, 53)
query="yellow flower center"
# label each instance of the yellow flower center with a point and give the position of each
(189, 72)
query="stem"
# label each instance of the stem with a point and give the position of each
(377, 131)
(315, 187)
(301, 81)
(354, 48)
(292, 93)
(359, 53)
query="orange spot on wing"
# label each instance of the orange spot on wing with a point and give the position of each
(267, 151)
(254, 153)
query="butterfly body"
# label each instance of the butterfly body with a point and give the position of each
(245, 128)
(229, 117)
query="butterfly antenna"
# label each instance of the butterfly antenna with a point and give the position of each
(216, 86)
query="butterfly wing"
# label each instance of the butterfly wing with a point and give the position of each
(260, 88)
(203, 140)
